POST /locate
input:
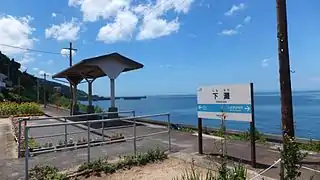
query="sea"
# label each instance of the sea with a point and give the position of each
(183, 110)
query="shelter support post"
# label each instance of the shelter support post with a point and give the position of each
(90, 108)
(113, 99)
(75, 108)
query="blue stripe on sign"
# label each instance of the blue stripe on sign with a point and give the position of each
(227, 108)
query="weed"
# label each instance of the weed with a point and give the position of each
(237, 173)
(46, 173)
(291, 157)
(310, 146)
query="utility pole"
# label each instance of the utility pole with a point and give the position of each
(70, 64)
(44, 90)
(285, 80)
(38, 91)
(284, 70)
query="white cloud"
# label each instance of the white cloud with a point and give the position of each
(50, 62)
(65, 31)
(235, 30)
(265, 62)
(154, 25)
(53, 15)
(35, 69)
(239, 26)
(93, 10)
(247, 19)
(16, 31)
(121, 29)
(66, 52)
(26, 59)
(192, 35)
(234, 9)
(155, 28)
(229, 32)
(219, 22)
(125, 14)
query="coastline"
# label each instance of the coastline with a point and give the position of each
(273, 138)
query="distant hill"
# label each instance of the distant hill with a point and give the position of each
(28, 82)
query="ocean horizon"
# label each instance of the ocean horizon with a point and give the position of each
(183, 110)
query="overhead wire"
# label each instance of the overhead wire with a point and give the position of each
(29, 49)
(146, 14)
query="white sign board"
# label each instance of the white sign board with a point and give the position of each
(234, 101)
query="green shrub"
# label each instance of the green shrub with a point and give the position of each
(310, 146)
(46, 173)
(291, 158)
(125, 162)
(19, 109)
(32, 143)
(238, 172)
(244, 136)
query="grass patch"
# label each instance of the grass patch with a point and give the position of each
(238, 172)
(32, 143)
(19, 109)
(125, 162)
(99, 166)
(184, 129)
(243, 136)
(310, 146)
(46, 173)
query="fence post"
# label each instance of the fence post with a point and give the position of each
(134, 137)
(65, 133)
(26, 155)
(88, 123)
(102, 130)
(19, 138)
(169, 132)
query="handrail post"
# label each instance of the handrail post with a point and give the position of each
(134, 137)
(26, 155)
(65, 133)
(169, 133)
(102, 126)
(88, 123)
(19, 138)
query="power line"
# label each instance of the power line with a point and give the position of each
(28, 49)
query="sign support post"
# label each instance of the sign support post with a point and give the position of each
(252, 130)
(200, 147)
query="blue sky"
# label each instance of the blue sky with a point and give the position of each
(182, 43)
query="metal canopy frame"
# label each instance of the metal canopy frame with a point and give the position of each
(89, 69)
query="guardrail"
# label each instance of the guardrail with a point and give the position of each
(64, 119)
(89, 131)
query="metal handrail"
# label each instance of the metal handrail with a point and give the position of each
(80, 115)
(95, 121)
(25, 120)
(89, 143)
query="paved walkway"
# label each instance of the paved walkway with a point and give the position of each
(8, 144)
(181, 142)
